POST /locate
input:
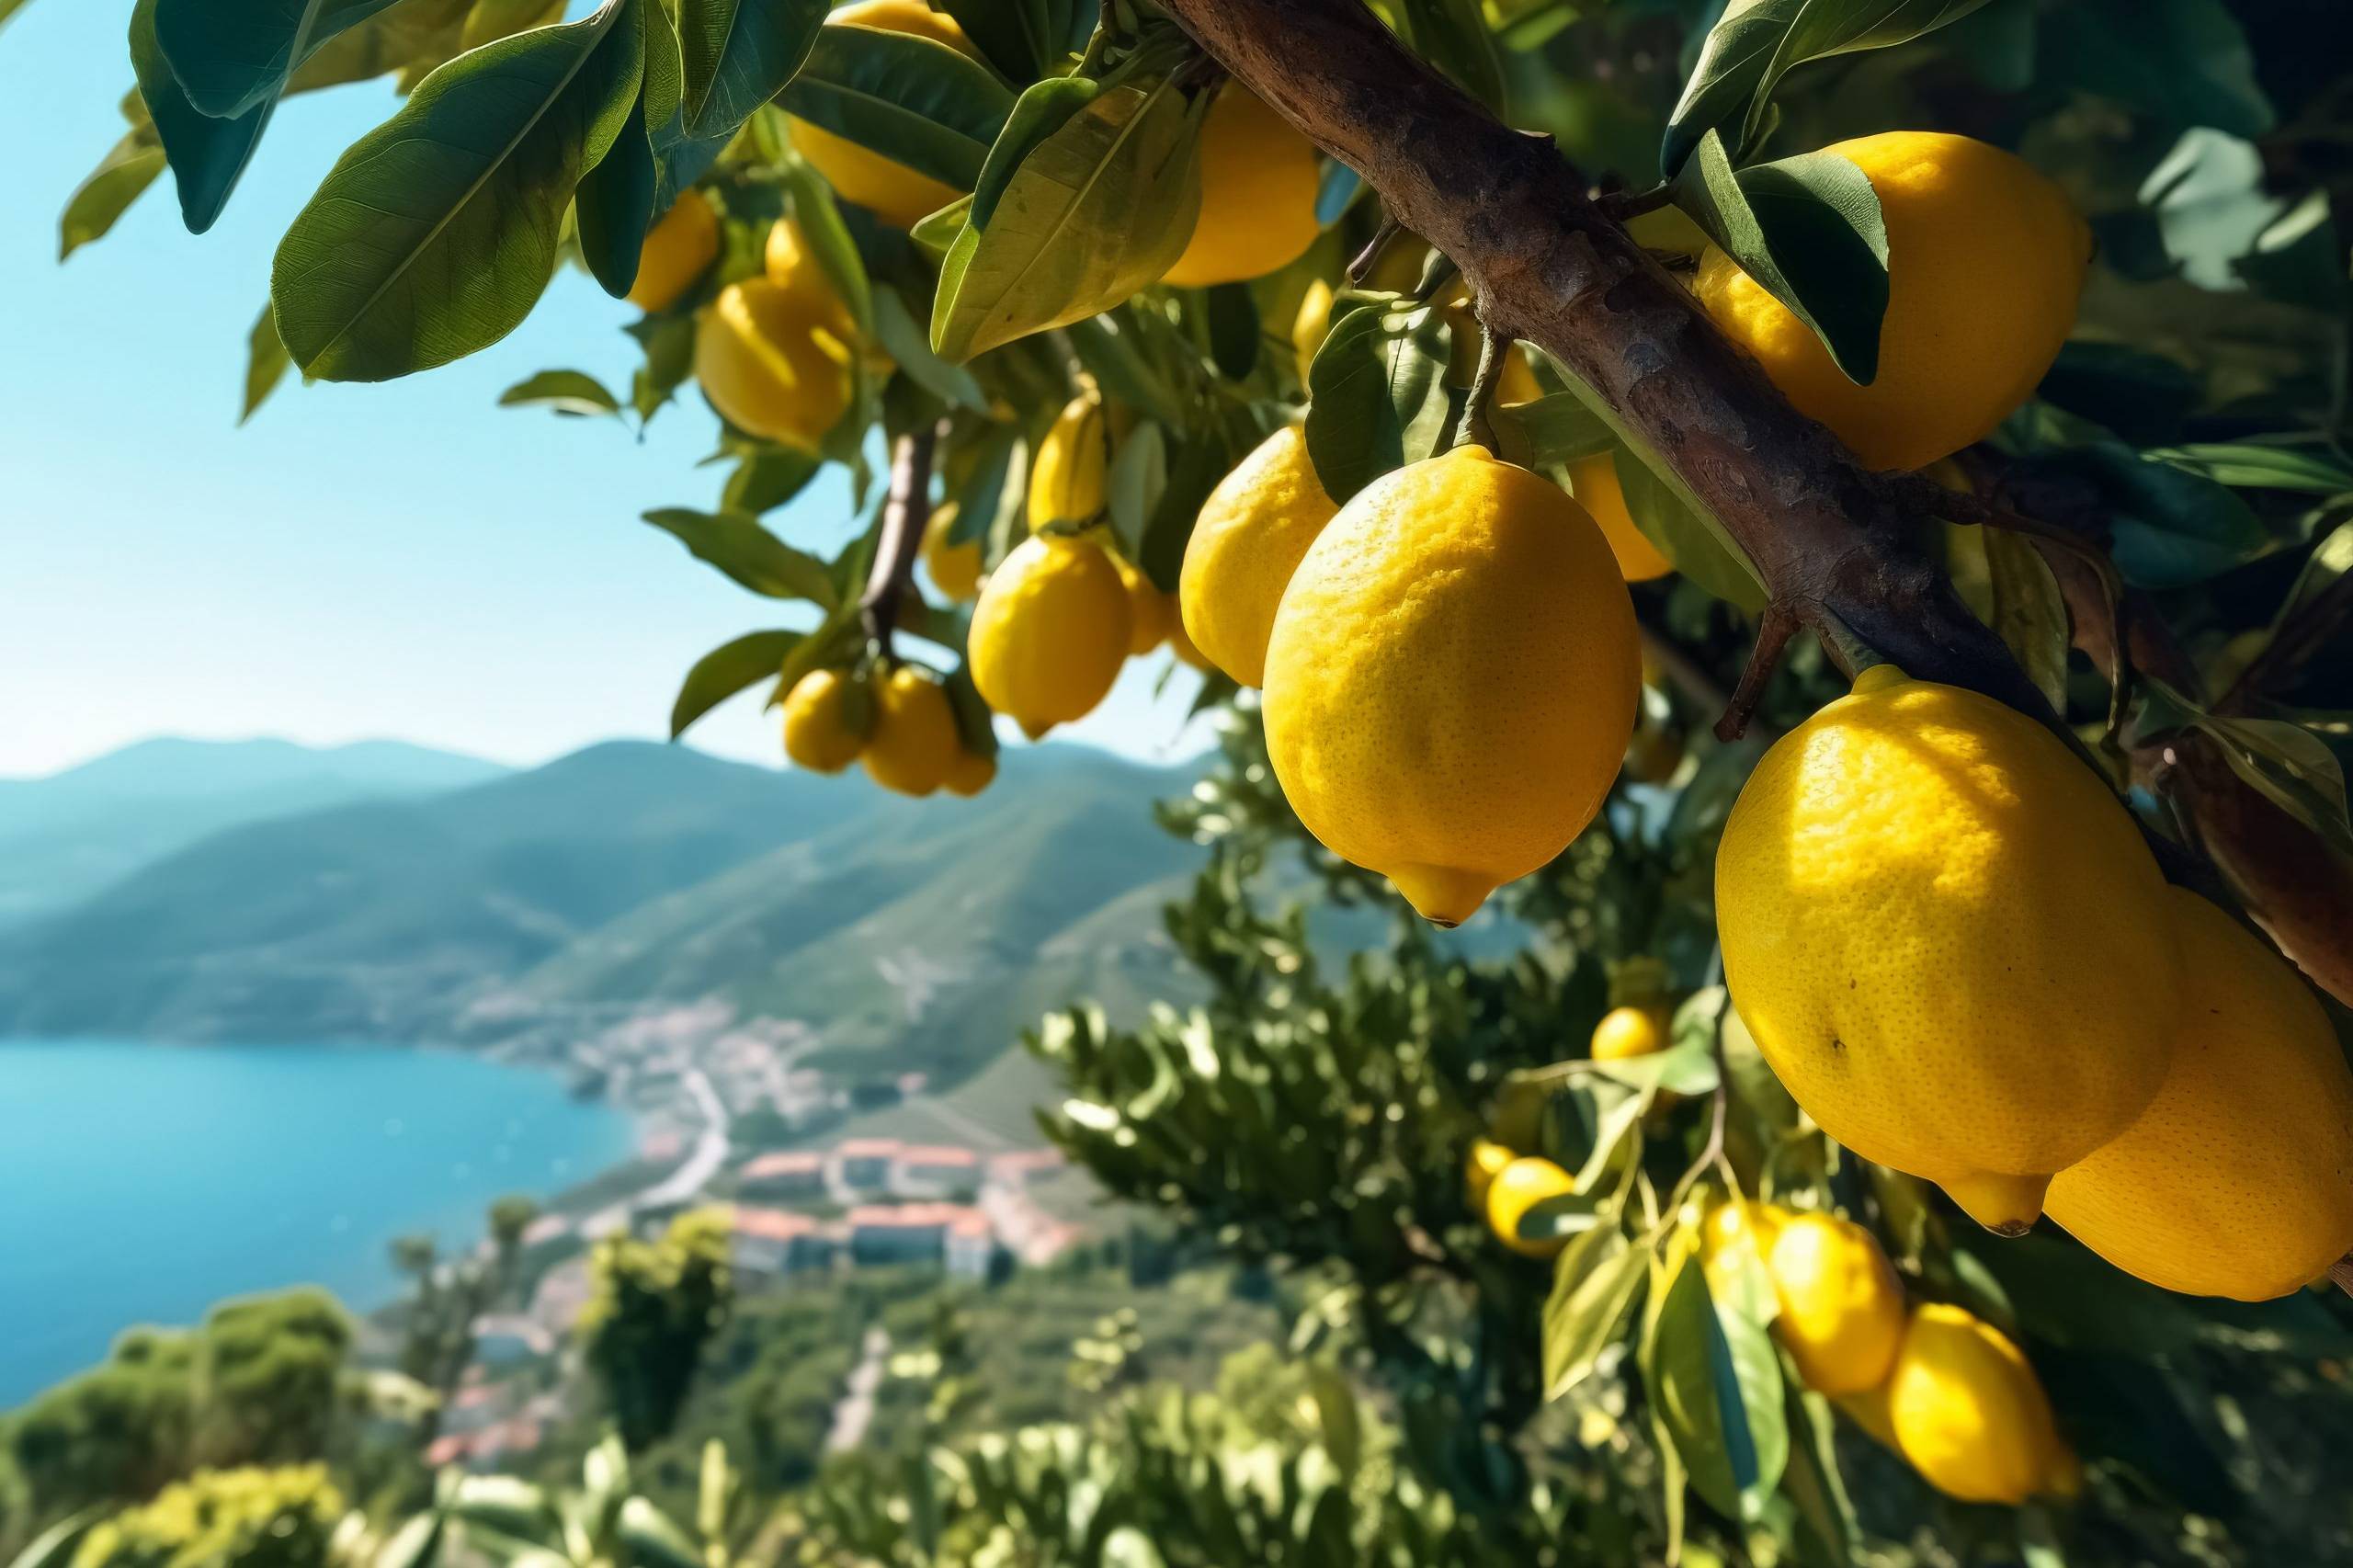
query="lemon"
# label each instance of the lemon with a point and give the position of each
(1985, 259)
(1151, 613)
(1479, 1168)
(678, 249)
(1842, 1306)
(912, 747)
(2237, 1180)
(1594, 481)
(1968, 1411)
(969, 774)
(1066, 478)
(1949, 940)
(891, 190)
(1050, 633)
(1626, 1033)
(1312, 325)
(1182, 646)
(1734, 1240)
(1451, 678)
(1259, 181)
(774, 362)
(955, 568)
(1246, 544)
(1517, 1187)
(817, 732)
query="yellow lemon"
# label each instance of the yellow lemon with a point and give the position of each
(1151, 613)
(1842, 1306)
(1259, 180)
(1182, 646)
(1968, 1411)
(914, 747)
(1734, 1240)
(1050, 633)
(1517, 1187)
(678, 249)
(969, 774)
(1479, 1168)
(1626, 1033)
(2237, 1180)
(1985, 259)
(817, 732)
(1066, 478)
(955, 568)
(1246, 544)
(1312, 325)
(772, 363)
(1451, 678)
(1594, 481)
(1949, 940)
(891, 190)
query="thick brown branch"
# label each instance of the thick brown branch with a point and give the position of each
(906, 507)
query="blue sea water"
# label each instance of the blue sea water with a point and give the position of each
(141, 1183)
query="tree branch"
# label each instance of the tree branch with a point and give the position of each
(906, 507)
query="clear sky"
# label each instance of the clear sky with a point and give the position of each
(405, 560)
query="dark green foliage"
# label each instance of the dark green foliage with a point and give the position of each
(657, 1306)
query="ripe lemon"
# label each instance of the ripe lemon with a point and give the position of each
(773, 363)
(1151, 613)
(1451, 678)
(817, 732)
(1842, 1306)
(678, 249)
(1066, 478)
(1985, 259)
(1594, 481)
(2237, 1180)
(1259, 181)
(1949, 940)
(912, 747)
(891, 190)
(1968, 1411)
(1626, 1033)
(1734, 1240)
(1479, 1169)
(1182, 646)
(955, 568)
(1514, 1190)
(1050, 633)
(1246, 544)
(969, 774)
(1312, 325)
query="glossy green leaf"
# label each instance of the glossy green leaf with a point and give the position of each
(1138, 478)
(2029, 612)
(208, 156)
(1023, 39)
(1556, 428)
(1109, 347)
(117, 181)
(976, 724)
(613, 205)
(1595, 1280)
(1809, 230)
(1195, 463)
(829, 241)
(433, 234)
(740, 53)
(669, 345)
(1684, 536)
(753, 557)
(2248, 467)
(991, 490)
(728, 669)
(1716, 1382)
(914, 101)
(2292, 767)
(1454, 36)
(2170, 526)
(768, 477)
(1377, 395)
(1814, 1481)
(904, 339)
(266, 364)
(563, 392)
(1235, 337)
(231, 56)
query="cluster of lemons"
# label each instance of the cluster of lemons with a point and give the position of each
(898, 723)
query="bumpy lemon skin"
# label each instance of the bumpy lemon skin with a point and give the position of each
(1451, 678)
(2237, 1180)
(817, 735)
(1519, 1187)
(1842, 1306)
(913, 746)
(1259, 180)
(969, 774)
(955, 568)
(1066, 479)
(1986, 259)
(1967, 1410)
(1050, 633)
(1949, 940)
(771, 364)
(1246, 544)
(678, 249)
(1628, 1032)
(1594, 481)
(891, 190)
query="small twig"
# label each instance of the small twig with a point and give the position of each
(1620, 206)
(2299, 638)
(1475, 425)
(2340, 1274)
(906, 509)
(1774, 629)
(1369, 258)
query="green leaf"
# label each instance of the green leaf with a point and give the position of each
(2292, 767)
(1023, 39)
(1377, 395)
(1595, 1280)
(1197, 461)
(125, 172)
(1072, 223)
(2169, 527)
(1138, 478)
(739, 54)
(9, 8)
(1813, 1481)
(768, 477)
(914, 101)
(1109, 347)
(2330, 560)
(1454, 36)
(1821, 28)
(1716, 1383)
(991, 490)
(755, 558)
(1685, 536)
(2211, 203)
(564, 391)
(266, 364)
(208, 156)
(1554, 429)
(231, 56)
(433, 236)
(902, 337)
(976, 724)
(1234, 330)
(2185, 61)
(613, 206)
(728, 669)
(2249, 467)
(669, 345)
(1809, 231)
(2029, 613)
(829, 241)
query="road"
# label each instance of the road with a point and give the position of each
(682, 1185)
(856, 1411)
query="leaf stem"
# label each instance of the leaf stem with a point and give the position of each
(1774, 629)
(1475, 425)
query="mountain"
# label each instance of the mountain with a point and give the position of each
(64, 836)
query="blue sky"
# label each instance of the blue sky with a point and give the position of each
(404, 560)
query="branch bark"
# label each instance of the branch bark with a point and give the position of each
(906, 507)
